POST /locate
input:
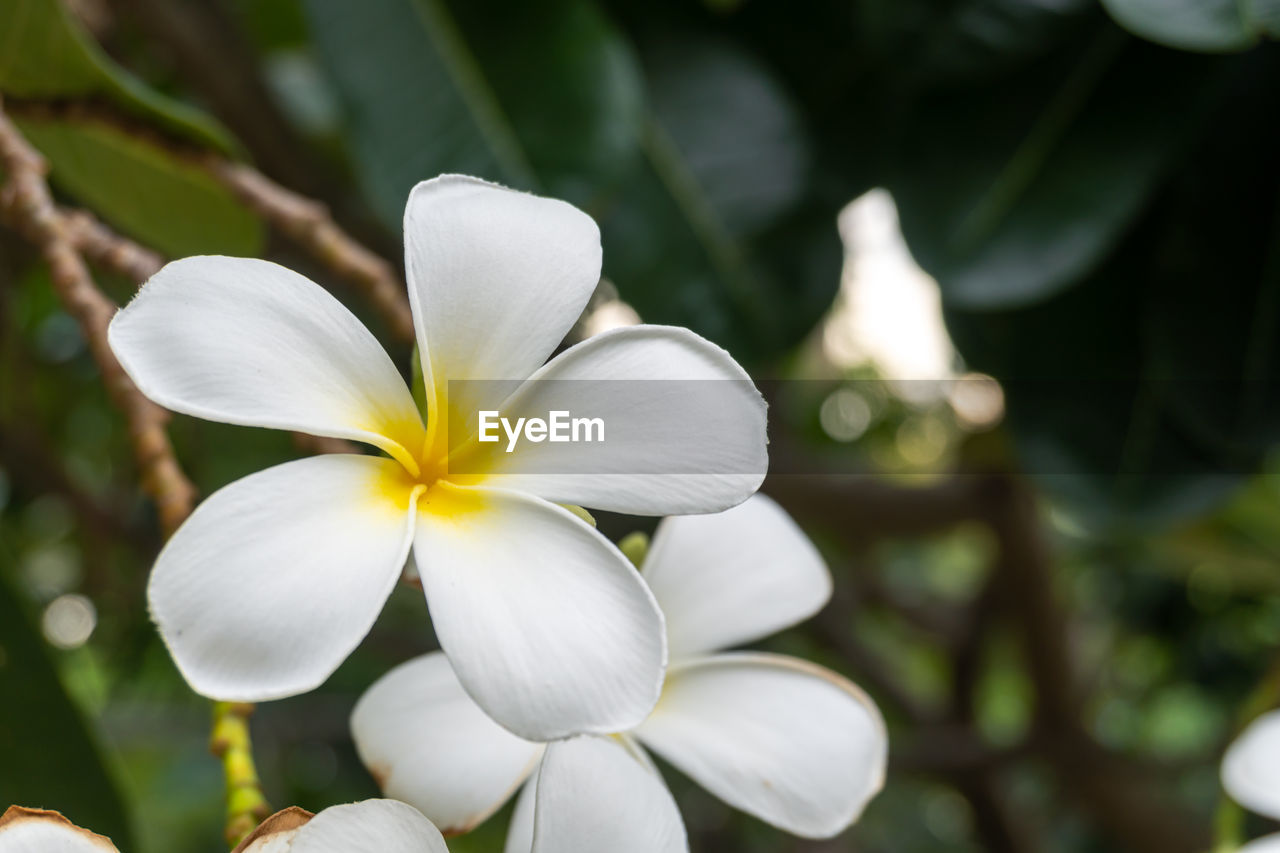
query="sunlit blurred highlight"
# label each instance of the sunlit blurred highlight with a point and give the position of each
(888, 317)
(889, 312)
(844, 415)
(69, 621)
(611, 315)
(977, 400)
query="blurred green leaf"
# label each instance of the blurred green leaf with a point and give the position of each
(549, 101)
(721, 228)
(1203, 25)
(1213, 320)
(1149, 391)
(1011, 193)
(974, 40)
(131, 180)
(1088, 423)
(553, 101)
(738, 132)
(50, 757)
(45, 54)
(144, 189)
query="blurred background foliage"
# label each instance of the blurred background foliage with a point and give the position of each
(1024, 255)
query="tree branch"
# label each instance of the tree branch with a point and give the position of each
(28, 206)
(308, 223)
(106, 249)
(210, 53)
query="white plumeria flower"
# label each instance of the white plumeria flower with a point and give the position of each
(1251, 775)
(787, 741)
(373, 826)
(276, 578)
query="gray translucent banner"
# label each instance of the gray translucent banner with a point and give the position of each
(1056, 426)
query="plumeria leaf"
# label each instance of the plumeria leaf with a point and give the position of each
(1144, 395)
(142, 188)
(50, 754)
(706, 224)
(45, 54)
(48, 64)
(1210, 26)
(717, 227)
(1056, 166)
(550, 101)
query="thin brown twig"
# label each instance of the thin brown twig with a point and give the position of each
(28, 206)
(308, 223)
(203, 44)
(1127, 800)
(304, 220)
(109, 250)
(104, 248)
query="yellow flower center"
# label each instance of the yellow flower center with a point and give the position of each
(423, 473)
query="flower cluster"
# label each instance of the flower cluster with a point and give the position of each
(561, 661)
(789, 742)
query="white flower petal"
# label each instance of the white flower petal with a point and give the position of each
(372, 826)
(1251, 767)
(684, 427)
(39, 831)
(496, 279)
(789, 742)
(276, 578)
(733, 577)
(520, 833)
(430, 746)
(594, 795)
(1265, 844)
(547, 625)
(249, 342)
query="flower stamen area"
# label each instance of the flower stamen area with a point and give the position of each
(427, 485)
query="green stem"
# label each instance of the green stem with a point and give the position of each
(246, 804)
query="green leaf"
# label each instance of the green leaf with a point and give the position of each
(1089, 423)
(1011, 193)
(1210, 26)
(143, 189)
(51, 759)
(1152, 389)
(45, 54)
(549, 101)
(736, 129)
(718, 229)
(703, 196)
(974, 40)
